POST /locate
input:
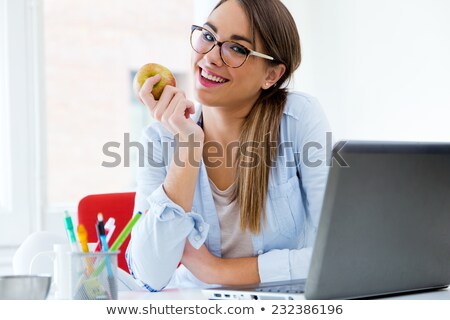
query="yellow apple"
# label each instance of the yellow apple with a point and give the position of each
(149, 70)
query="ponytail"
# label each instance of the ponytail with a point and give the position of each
(260, 132)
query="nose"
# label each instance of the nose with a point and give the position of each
(213, 57)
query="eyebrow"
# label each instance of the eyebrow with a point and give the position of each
(235, 37)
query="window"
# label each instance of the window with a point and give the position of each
(65, 87)
(4, 165)
(91, 52)
(4, 159)
(19, 131)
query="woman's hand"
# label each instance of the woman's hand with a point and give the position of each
(172, 110)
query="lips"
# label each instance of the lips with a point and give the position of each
(209, 79)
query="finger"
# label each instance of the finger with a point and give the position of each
(168, 93)
(178, 114)
(150, 82)
(190, 109)
(168, 112)
(166, 97)
(164, 101)
(145, 93)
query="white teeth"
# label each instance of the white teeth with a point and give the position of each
(211, 77)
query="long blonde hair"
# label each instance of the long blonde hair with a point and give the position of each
(274, 24)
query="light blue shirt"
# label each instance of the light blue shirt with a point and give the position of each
(294, 201)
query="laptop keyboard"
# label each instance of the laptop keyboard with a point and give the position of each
(298, 287)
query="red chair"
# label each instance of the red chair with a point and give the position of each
(116, 205)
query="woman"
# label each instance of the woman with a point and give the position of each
(248, 214)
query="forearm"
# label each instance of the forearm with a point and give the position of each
(213, 270)
(236, 271)
(181, 178)
(275, 265)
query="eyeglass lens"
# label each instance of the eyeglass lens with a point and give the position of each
(233, 54)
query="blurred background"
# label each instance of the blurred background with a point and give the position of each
(379, 68)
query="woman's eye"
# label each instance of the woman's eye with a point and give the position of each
(239, 50)
(208, 36)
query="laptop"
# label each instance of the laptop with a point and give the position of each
(384, 227)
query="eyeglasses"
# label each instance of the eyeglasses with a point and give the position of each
(232, 53)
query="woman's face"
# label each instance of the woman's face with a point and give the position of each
(237, 87)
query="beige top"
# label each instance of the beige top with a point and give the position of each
(234, 242)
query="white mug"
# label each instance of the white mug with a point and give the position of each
(61, 285)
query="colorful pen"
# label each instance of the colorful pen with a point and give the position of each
(83, 237)
(101, 232)
(110, 226)
(125, 232)
(70, 232)
(102, 238)
(120, 239)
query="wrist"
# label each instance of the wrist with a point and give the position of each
(214, 270)
(197, 137)
(188, 154)
(192, 142)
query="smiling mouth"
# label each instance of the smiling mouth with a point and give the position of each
(204, 74)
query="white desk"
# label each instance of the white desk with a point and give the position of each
(196, 294)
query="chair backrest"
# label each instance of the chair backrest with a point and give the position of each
(116, 205)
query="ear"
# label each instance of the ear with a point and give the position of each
(273, 74)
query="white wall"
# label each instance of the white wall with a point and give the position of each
(202, 8)
(380, 68)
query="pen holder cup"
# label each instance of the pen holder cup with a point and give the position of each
(94, 275)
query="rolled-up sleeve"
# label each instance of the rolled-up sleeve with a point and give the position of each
(158, 240)
(285, 264)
